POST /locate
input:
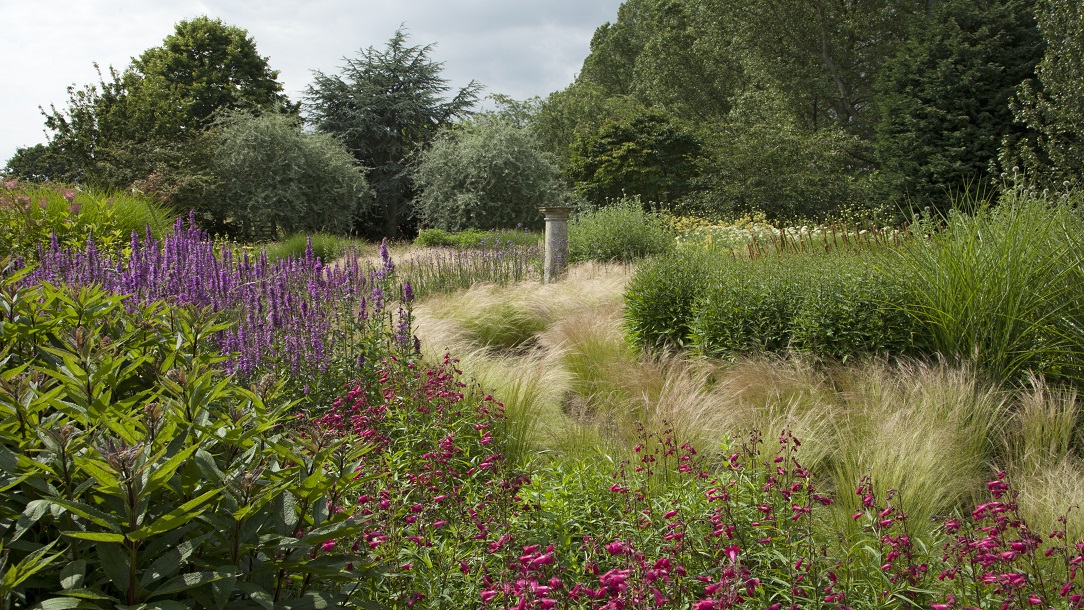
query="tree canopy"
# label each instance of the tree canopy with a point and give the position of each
(487, 173)
(114, 132)
(385, 106)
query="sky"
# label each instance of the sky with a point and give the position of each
(519, 48)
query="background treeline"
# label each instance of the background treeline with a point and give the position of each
(799, 108)
(714, 108)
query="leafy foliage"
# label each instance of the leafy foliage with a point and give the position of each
(761, 162)
(476, 238)
(621, 231)
(1053, 107)
(660, 297)
(155, 478)
(117, 131)
(944, 98)
(385, 106)
(275, 179)
(33, 215)
(646, 155)
(485, 174)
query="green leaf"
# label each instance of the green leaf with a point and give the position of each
(62, 603)
(166, 470)
(257, 594)
(34, 511)
(314, 601)
(30, 565)
(95, 536)
(183, 513)
(171, 561)
(73, 574)
(190, 580)
(89, 512)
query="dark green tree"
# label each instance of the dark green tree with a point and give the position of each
(116, 131)
(644, 153)
(1052, 106)
(945, 96)
(38, 163)
(486, 173)
(385, 106)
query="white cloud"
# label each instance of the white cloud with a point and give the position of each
(516, 47)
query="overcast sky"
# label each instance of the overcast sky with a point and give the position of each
(519, 48)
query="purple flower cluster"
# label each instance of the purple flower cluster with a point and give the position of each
(288, 315)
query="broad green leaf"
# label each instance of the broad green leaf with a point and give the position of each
(170, 562)
(188, 581)
(73, 574)
(34, 511)
(257, 594)
(89, 512)
(30, 565)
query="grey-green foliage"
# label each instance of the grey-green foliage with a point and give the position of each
(486, 173)
(622, 231)
(276, 179)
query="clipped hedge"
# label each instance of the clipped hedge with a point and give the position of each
(660, 297)
(833, 305)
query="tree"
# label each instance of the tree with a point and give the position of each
(274, 179)
(487, 173)
(38, 163)
(761, 160)
(386, 106)
(1052, 106)
(116, 131)
(945, 97)
(644, 153)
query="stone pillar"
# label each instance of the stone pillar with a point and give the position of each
(556, 243)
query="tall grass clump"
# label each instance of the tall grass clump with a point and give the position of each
(1002, 286)
(443, 270)
(322, 245)
(622, 231)
(31, 213)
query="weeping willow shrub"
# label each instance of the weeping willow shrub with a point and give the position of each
(485, 174)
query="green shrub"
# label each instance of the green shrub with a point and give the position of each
(327, 247)
(275, 178)
(659, 299)
(486, 173)
(836, 305)
(136, 474)
(622, 231)
(853, 306)
(477, 238)
(31, 213)
(750, 306)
